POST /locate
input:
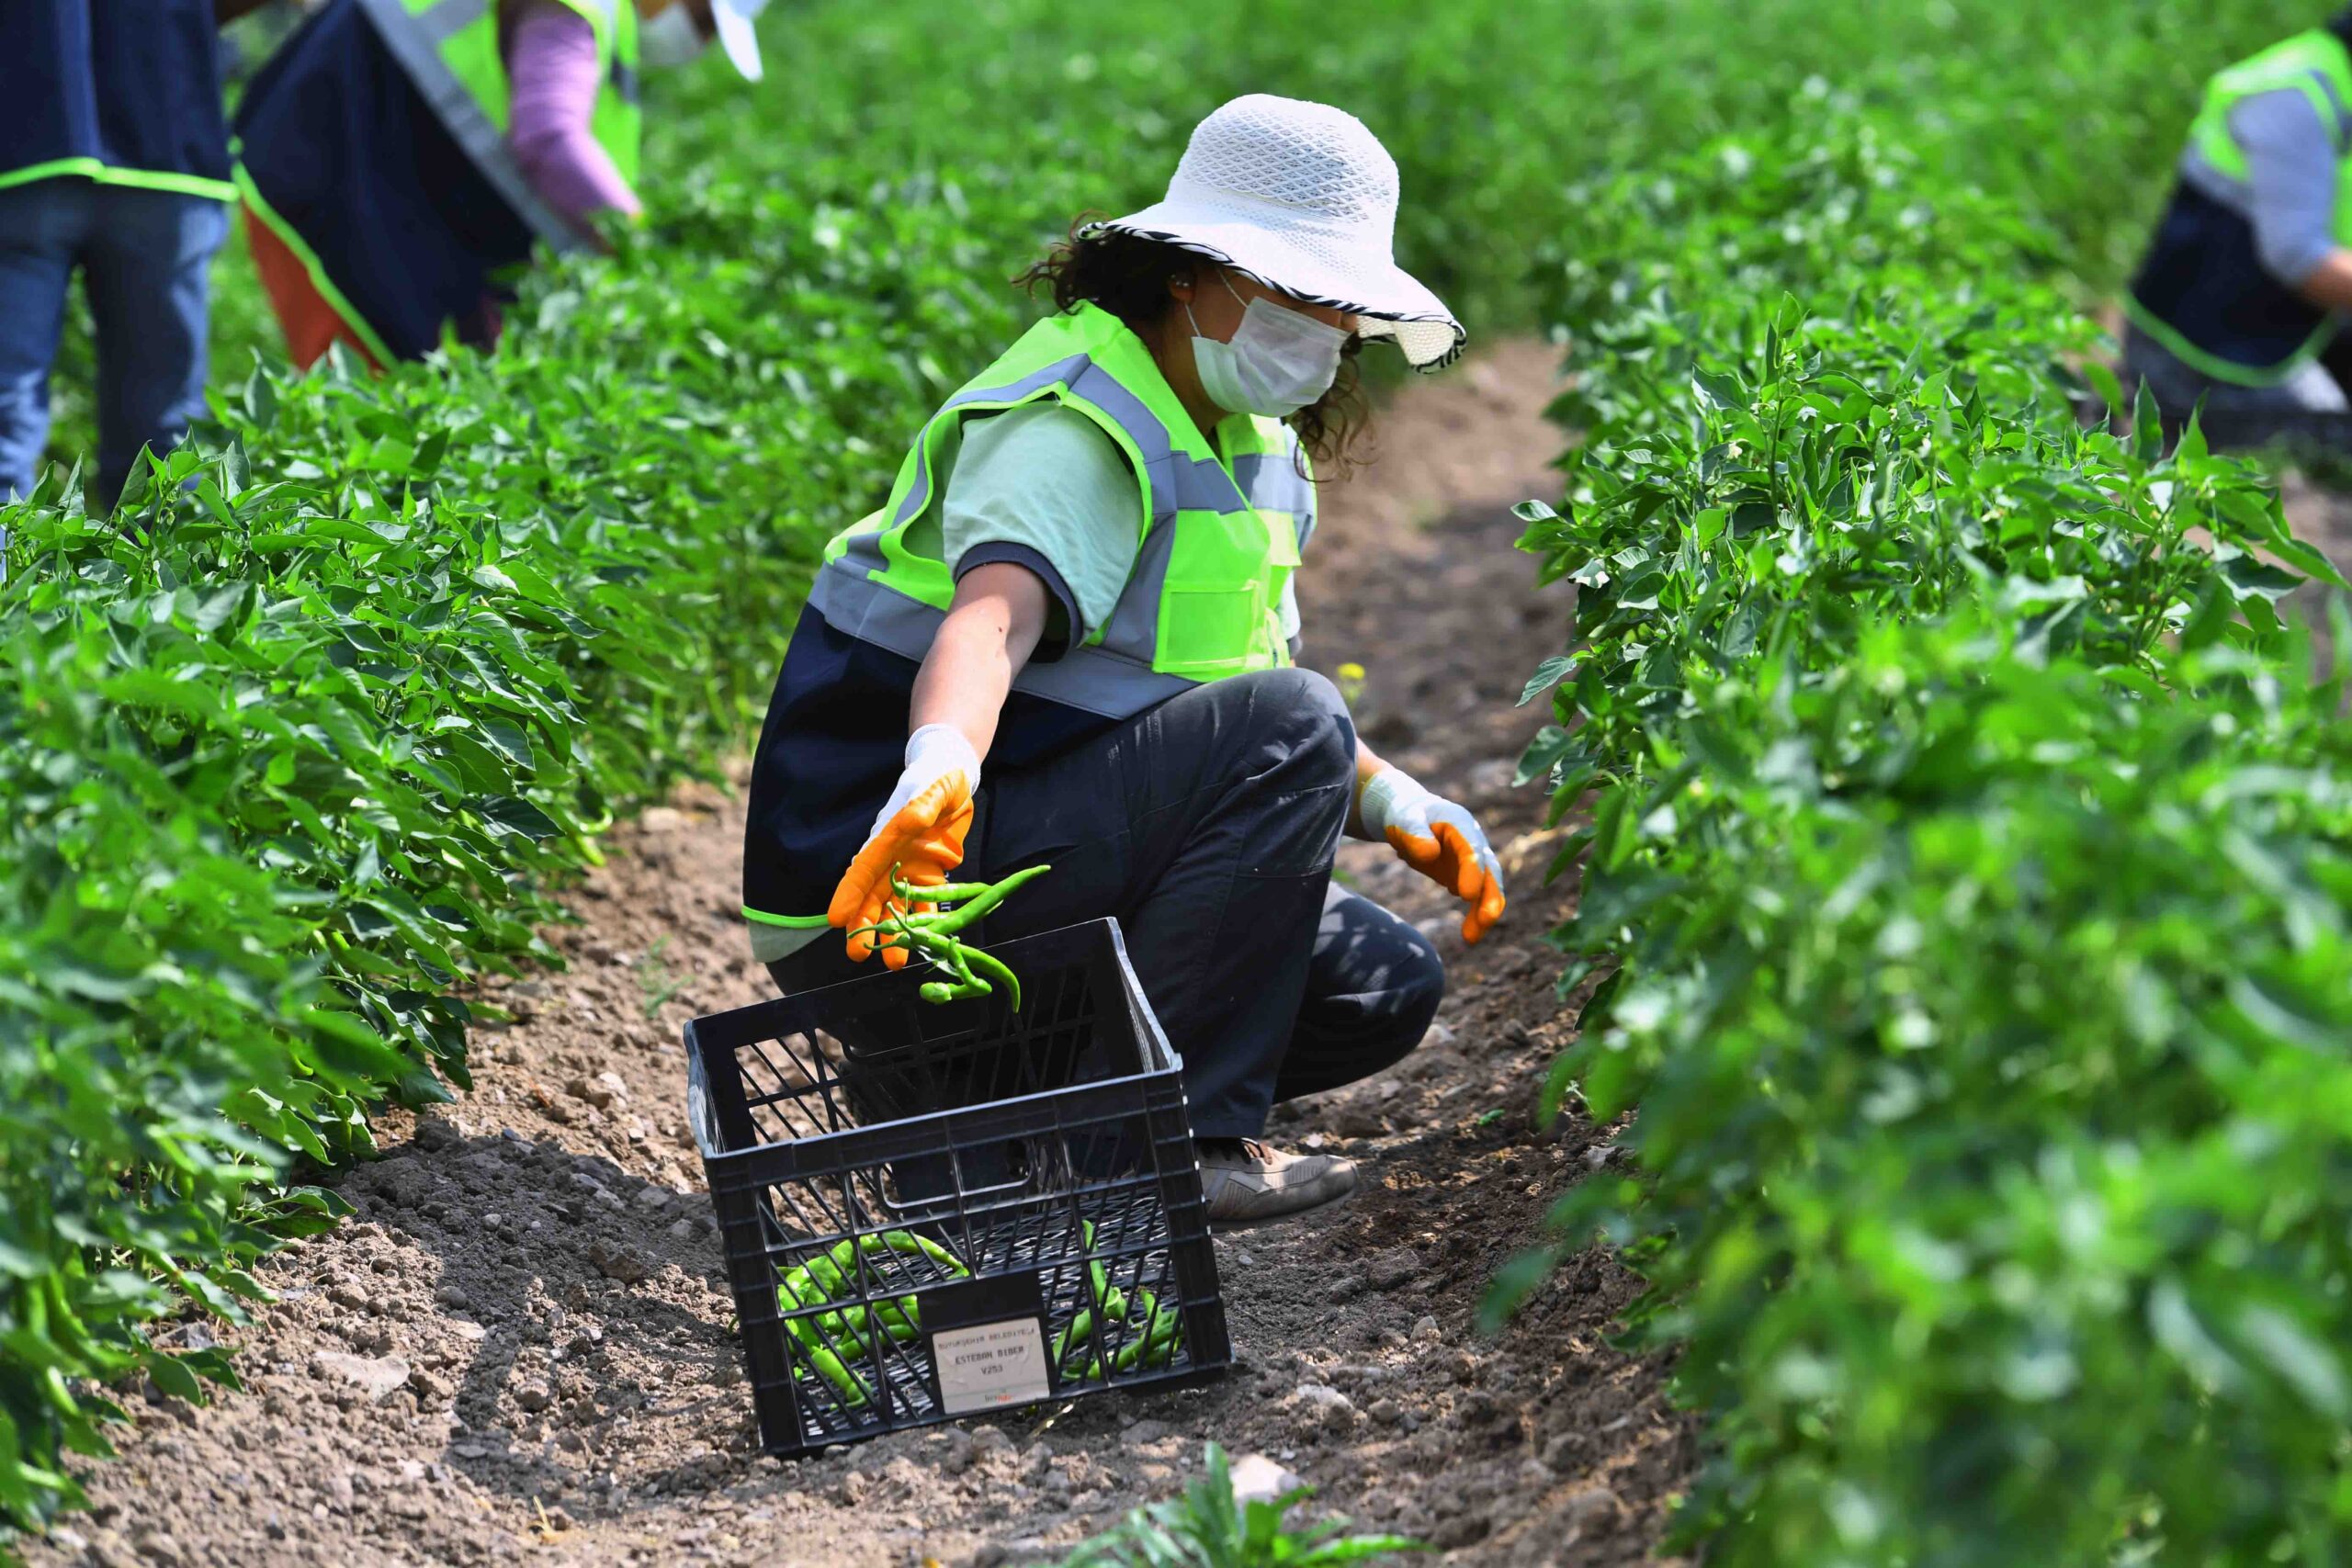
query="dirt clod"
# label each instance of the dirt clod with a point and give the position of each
(157, 1546)
(374, 1376)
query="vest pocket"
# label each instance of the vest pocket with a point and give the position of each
(1217, 601)
(1207, 630)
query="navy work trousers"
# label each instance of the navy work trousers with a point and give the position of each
(1207, 826)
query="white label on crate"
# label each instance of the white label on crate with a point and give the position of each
(990, 1364)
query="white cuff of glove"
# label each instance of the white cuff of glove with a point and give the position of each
(932, 752)
(1389, 794)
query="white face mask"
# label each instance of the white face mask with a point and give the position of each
(669, 37)
(1279, 360)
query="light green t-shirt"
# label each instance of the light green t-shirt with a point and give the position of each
(1048, 478)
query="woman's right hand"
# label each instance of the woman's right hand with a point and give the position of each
(992, 626)
(918, 835)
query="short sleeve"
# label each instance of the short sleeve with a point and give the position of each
(1045, 484)
(2290, 167)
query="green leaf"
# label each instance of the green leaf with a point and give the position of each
(1547, 675)
(518, 814)
(2147, 426)
(2103, 382)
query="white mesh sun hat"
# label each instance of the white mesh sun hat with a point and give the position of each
(1302, 198)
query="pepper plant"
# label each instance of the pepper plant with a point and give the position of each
(1964, 889)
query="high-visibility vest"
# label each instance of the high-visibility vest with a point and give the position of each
(2195, 294)
(120, 92)
(1220, 533)
(340, 152)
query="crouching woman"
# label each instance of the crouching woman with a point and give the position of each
(1082, 579)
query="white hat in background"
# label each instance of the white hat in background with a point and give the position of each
(733, 19)
(1303, 198)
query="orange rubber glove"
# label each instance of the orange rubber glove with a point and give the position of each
(919, 832)
(1439, 839)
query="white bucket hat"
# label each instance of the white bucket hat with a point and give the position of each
(733, 19)
(1302, 198)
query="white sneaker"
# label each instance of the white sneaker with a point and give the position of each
(1246, 1182)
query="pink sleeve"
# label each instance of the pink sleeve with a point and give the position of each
(553, 79)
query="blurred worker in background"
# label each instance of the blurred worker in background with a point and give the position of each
(267, 27)
(2241, 295)
(399, 159)
(1083, 576)
(114, 162)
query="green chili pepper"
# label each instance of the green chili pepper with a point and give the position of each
(932, 933)
(990, 966)
(973, 901)
(946, 893)
(1072, 1337)
(843, 1254)
(829, 1365)
(900, 1321)
(826, 1273)
(987, 894)
(822, 1279)
(1152, 1345)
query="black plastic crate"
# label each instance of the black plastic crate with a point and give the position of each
(1007, 1175)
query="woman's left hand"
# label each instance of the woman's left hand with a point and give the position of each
(1439, 839)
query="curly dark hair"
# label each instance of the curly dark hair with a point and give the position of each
(1128, 275)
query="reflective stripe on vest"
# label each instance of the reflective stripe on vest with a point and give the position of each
(1203, 600)
(2317, 65)
(100, 172)
(448, 50)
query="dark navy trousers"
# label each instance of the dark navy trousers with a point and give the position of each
(1208, 827)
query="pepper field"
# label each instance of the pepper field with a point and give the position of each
(1956, 802)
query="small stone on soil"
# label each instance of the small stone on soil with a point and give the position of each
(156, 1546)
(1334, 1409)
(1589, 1503)
(1256, 1478)
(374, 1376)
(625, 1264)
